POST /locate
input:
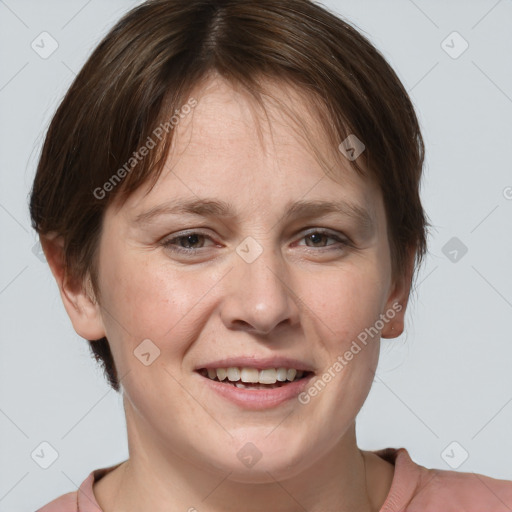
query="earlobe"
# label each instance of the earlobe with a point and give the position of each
(395, 310)
(78, 297)
(397, 302)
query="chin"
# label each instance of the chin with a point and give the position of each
(260, 457)
(262, 472)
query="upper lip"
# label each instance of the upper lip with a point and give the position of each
(257, 362)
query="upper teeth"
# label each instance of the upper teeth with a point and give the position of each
(267, 376)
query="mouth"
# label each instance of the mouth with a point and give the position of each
(254, 378)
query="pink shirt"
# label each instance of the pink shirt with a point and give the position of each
(414, 489)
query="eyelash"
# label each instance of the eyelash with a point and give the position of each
(170, 242)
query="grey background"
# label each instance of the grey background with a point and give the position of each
(446, 379)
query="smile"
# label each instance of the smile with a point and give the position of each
(254, 378)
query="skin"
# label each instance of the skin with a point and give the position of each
(302, 298)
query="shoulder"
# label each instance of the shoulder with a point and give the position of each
(83, 499)
(460, 491)
(65, 503)
(416, 488)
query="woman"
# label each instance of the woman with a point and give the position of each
(228, 198)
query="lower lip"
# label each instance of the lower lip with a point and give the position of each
(259, 398)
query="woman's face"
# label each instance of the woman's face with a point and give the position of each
(264, 281)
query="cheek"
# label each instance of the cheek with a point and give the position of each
(343, 302)
(145, 299)
(346, 301)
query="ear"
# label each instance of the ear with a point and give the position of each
(78, 297)
(398, 299)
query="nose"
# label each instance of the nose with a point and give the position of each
(259, 296)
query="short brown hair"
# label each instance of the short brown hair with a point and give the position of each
(146, 66)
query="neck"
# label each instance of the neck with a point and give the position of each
(152, 479)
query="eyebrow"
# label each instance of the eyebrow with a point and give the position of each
(216, 208)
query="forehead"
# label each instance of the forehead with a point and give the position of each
(227, 114)
(228, 146)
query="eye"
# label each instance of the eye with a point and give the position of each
(191, 242)
(186, 242)
(318, 235)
